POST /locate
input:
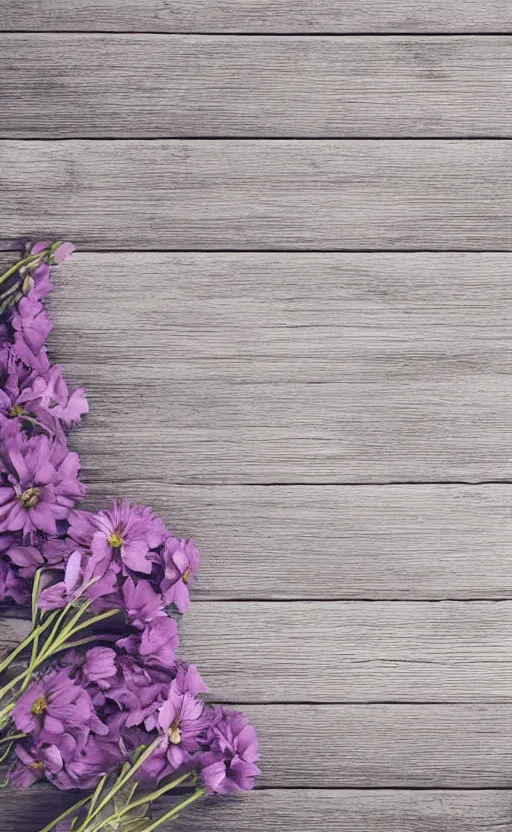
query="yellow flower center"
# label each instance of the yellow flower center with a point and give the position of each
(175, 734)
(30, 497)
(16, 410)
(37, 766)
(39, 706)
(115, 541)
(186, 576)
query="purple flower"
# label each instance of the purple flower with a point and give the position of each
(181, 561)
(157, 644)
(62, 252)
(12, 585)
(100, 665)
(51, 553)
(231, 763)
(49, 394)
(116, 560)
(37, 402)
(73, 760)
(31, 326)
(183, 721)
(30, 768)
(40, 485)
(141, 602)
(52, 705)
(129, 533)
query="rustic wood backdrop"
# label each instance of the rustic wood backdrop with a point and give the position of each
(292, 309)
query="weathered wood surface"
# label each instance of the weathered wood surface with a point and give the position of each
(259, 194)
(301, 810)
(420, 746)
(258, 16)
(253, 86)
(336, 542)
(346, 651)
(289, 369)
(389, 746)
(213, 375)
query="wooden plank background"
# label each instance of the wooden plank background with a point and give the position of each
(291, 308)
(265, 16)
(249, 86)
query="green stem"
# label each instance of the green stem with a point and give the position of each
(177, 809)
(57, 642)
(66, 814)
(19, 649)
(120, 783)
(147, 798)
(29, 258)
(12, 738)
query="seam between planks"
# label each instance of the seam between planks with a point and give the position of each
(276, 34)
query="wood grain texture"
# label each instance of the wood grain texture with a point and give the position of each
(389, 746)
(258, 16)
(336, 542)
(289, 369)
(352, 652)
(294, 810)
(345, 652)
(253, 86)
(452, 746)
(259, 194)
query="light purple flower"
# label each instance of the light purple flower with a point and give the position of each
(12, 584)
(182, 720)
(157, 644)
(181, 561)
(40, 485)
(231, 763)
(50, 553)
(141, 602)
(100, 665)
(62, 252)
(52, 704)
(129, 533)
(73, 760)
(31, 327)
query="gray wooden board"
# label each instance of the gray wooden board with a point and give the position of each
(288, 194)
(335, 542)
(420, 746)
(259, 15)
(390, 746)
(253, 86)
(345, 651)
(277, 368)
(294, 810)
(212, 375)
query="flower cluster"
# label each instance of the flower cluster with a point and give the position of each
(123, 717)
(39, 476)
(89, 713)
(124, 557)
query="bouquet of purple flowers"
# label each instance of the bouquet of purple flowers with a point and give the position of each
(101, 702)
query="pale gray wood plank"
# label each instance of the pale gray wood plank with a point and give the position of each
(259, 194)
(335, 542)
(253, 86)
(352, 652)
(345, 651)
(453, 746)
(321, 810)
(288, 369)
(355, 811)
(259, 16)
(390, 746)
